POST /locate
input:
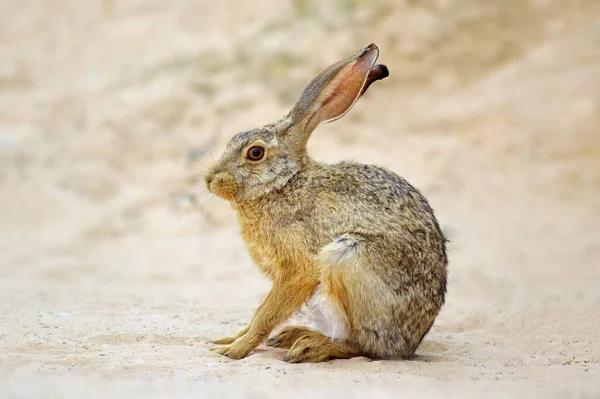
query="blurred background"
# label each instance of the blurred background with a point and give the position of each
(115, 262)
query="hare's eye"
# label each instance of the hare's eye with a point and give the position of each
(256, 153)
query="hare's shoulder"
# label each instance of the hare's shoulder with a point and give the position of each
(356, 178)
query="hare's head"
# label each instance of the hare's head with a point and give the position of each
(264, 159)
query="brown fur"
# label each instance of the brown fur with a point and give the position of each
(358, 234)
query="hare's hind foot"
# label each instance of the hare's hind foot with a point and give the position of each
(286, 337)
(314, 347)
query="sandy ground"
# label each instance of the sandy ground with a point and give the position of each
(112, 281)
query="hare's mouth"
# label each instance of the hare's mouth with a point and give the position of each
(225, 194)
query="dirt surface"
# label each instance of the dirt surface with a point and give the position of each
(112, 281)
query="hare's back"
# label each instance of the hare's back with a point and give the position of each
(374, 192)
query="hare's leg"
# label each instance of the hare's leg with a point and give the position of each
(315, 347)
(243, 331)
(288, 294)
(382, 320)
(287, 336)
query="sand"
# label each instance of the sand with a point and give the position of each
(112, 281)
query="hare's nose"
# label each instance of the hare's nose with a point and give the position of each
(208, 179)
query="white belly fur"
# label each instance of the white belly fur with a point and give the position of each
(325, 317)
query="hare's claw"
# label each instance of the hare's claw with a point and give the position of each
(231, 339)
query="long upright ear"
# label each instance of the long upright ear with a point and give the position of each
(334, 91)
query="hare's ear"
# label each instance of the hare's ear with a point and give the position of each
(335, 90)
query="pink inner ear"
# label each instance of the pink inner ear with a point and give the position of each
(343, 82)
(346, 87)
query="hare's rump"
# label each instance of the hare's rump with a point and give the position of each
(354, 305)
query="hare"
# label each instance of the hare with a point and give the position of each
(356, 243)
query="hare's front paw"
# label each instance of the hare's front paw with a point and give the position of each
(232, 351)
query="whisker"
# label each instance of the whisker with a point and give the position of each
(197, 196)
(200, 190)
(200, 170)
(237, 205)
(253, 218)
(211, 155)
(257, 215)
(256, 218)
(194, 177)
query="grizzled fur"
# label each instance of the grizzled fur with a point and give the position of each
(358, 236)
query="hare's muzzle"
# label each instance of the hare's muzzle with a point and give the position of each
(222, 184)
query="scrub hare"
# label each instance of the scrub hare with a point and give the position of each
(356, 243)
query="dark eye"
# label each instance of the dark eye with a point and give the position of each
(256, 153)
